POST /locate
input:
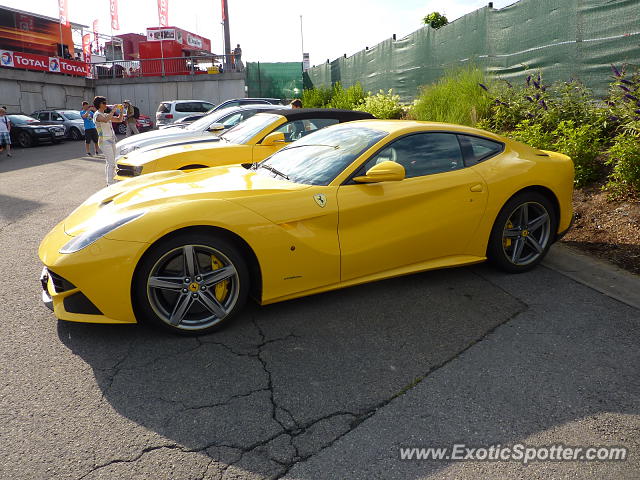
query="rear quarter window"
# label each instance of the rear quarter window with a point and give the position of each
(164, 108)
(478, 149)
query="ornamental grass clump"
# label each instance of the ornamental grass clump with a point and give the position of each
(461, 96)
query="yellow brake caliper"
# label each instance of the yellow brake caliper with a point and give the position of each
(222, 288)
(507, 241)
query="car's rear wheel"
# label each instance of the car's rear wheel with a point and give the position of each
(191, 283)
(121, 128)
(75, 134)
(522, 233)
(25, 140)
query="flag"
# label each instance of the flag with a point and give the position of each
(224, 10)
(95, 31)
(86, 47)
(63, 12)
(163, 13)
(114, 14)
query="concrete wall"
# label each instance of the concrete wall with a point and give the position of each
(147, 92)
(22, 91)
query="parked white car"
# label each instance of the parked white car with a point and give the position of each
(170, 111)
(205, 129)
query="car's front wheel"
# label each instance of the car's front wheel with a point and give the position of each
(75, 134)
(25, 140)
(523, 232)
(121, 128)
(191, 283)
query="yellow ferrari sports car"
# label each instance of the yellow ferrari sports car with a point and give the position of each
(252, 140)
(348, 204)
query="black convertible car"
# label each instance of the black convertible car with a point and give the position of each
(26, 131)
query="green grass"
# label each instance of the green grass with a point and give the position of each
(456, 98)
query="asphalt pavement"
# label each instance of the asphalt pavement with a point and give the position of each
(324, 387)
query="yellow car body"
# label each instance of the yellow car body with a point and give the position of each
(250, 141)
(302, 238)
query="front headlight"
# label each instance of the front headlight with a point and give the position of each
(129, 148)
(87, 238)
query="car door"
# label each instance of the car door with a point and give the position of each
(43, 116)
(431, 214)
(292, 131)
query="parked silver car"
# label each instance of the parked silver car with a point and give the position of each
(205, 129)
(170, 111)
(70, 119)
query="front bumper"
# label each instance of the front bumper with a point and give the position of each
(91, 285)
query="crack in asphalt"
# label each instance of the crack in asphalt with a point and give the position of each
(143, 452)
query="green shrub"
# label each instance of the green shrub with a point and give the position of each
(624, 155)
(382, 105)
(346, 99)
(459, 97)
(583, 144)
(316, 97)
(533, 134)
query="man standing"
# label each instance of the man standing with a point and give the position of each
(90, 132)
(5, 132)
(237, 56)
(106, 135)
(131, 118)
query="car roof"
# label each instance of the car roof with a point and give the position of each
(308, 113)
(186, 101)
(392, 126)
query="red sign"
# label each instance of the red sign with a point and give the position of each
(114, 14)
(95, 31)
(163, 13)
(64, 12)
(31, 61)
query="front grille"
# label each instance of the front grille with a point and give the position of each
(124, 170)
(60, 284)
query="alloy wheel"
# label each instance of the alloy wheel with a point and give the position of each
(526, 233)
(193, 287)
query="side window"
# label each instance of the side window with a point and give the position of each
(231, 120)
(297, 129)
(184, 107)
(205, 107)
(43, 116)
(56, 116)
(248, 113)
(477, 149)
(421, 154)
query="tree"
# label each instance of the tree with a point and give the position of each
(435, 20)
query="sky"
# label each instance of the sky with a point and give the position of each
(270, 31)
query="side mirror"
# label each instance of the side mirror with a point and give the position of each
(215, 127)
(272, 139)
(386, 171)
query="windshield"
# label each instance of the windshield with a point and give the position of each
(21, 119)
(204, 122)
(245, 131)
(321, 156)
(71, 114)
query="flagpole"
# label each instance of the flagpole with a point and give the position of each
(60, 24)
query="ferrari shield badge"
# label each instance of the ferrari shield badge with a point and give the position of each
(320, 199)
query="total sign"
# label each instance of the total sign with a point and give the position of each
(6, 58)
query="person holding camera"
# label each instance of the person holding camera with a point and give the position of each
(90, 131)
(106, 135)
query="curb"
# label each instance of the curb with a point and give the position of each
(595, 273)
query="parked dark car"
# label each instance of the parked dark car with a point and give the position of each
(26, 131)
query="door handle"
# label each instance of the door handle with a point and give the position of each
(476, 188)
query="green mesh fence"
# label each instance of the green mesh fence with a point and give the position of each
(276, 80)
(564, 39)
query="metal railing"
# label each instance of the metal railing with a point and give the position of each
(162, 67)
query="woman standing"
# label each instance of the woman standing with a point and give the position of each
(106, 135)
(5, 132)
